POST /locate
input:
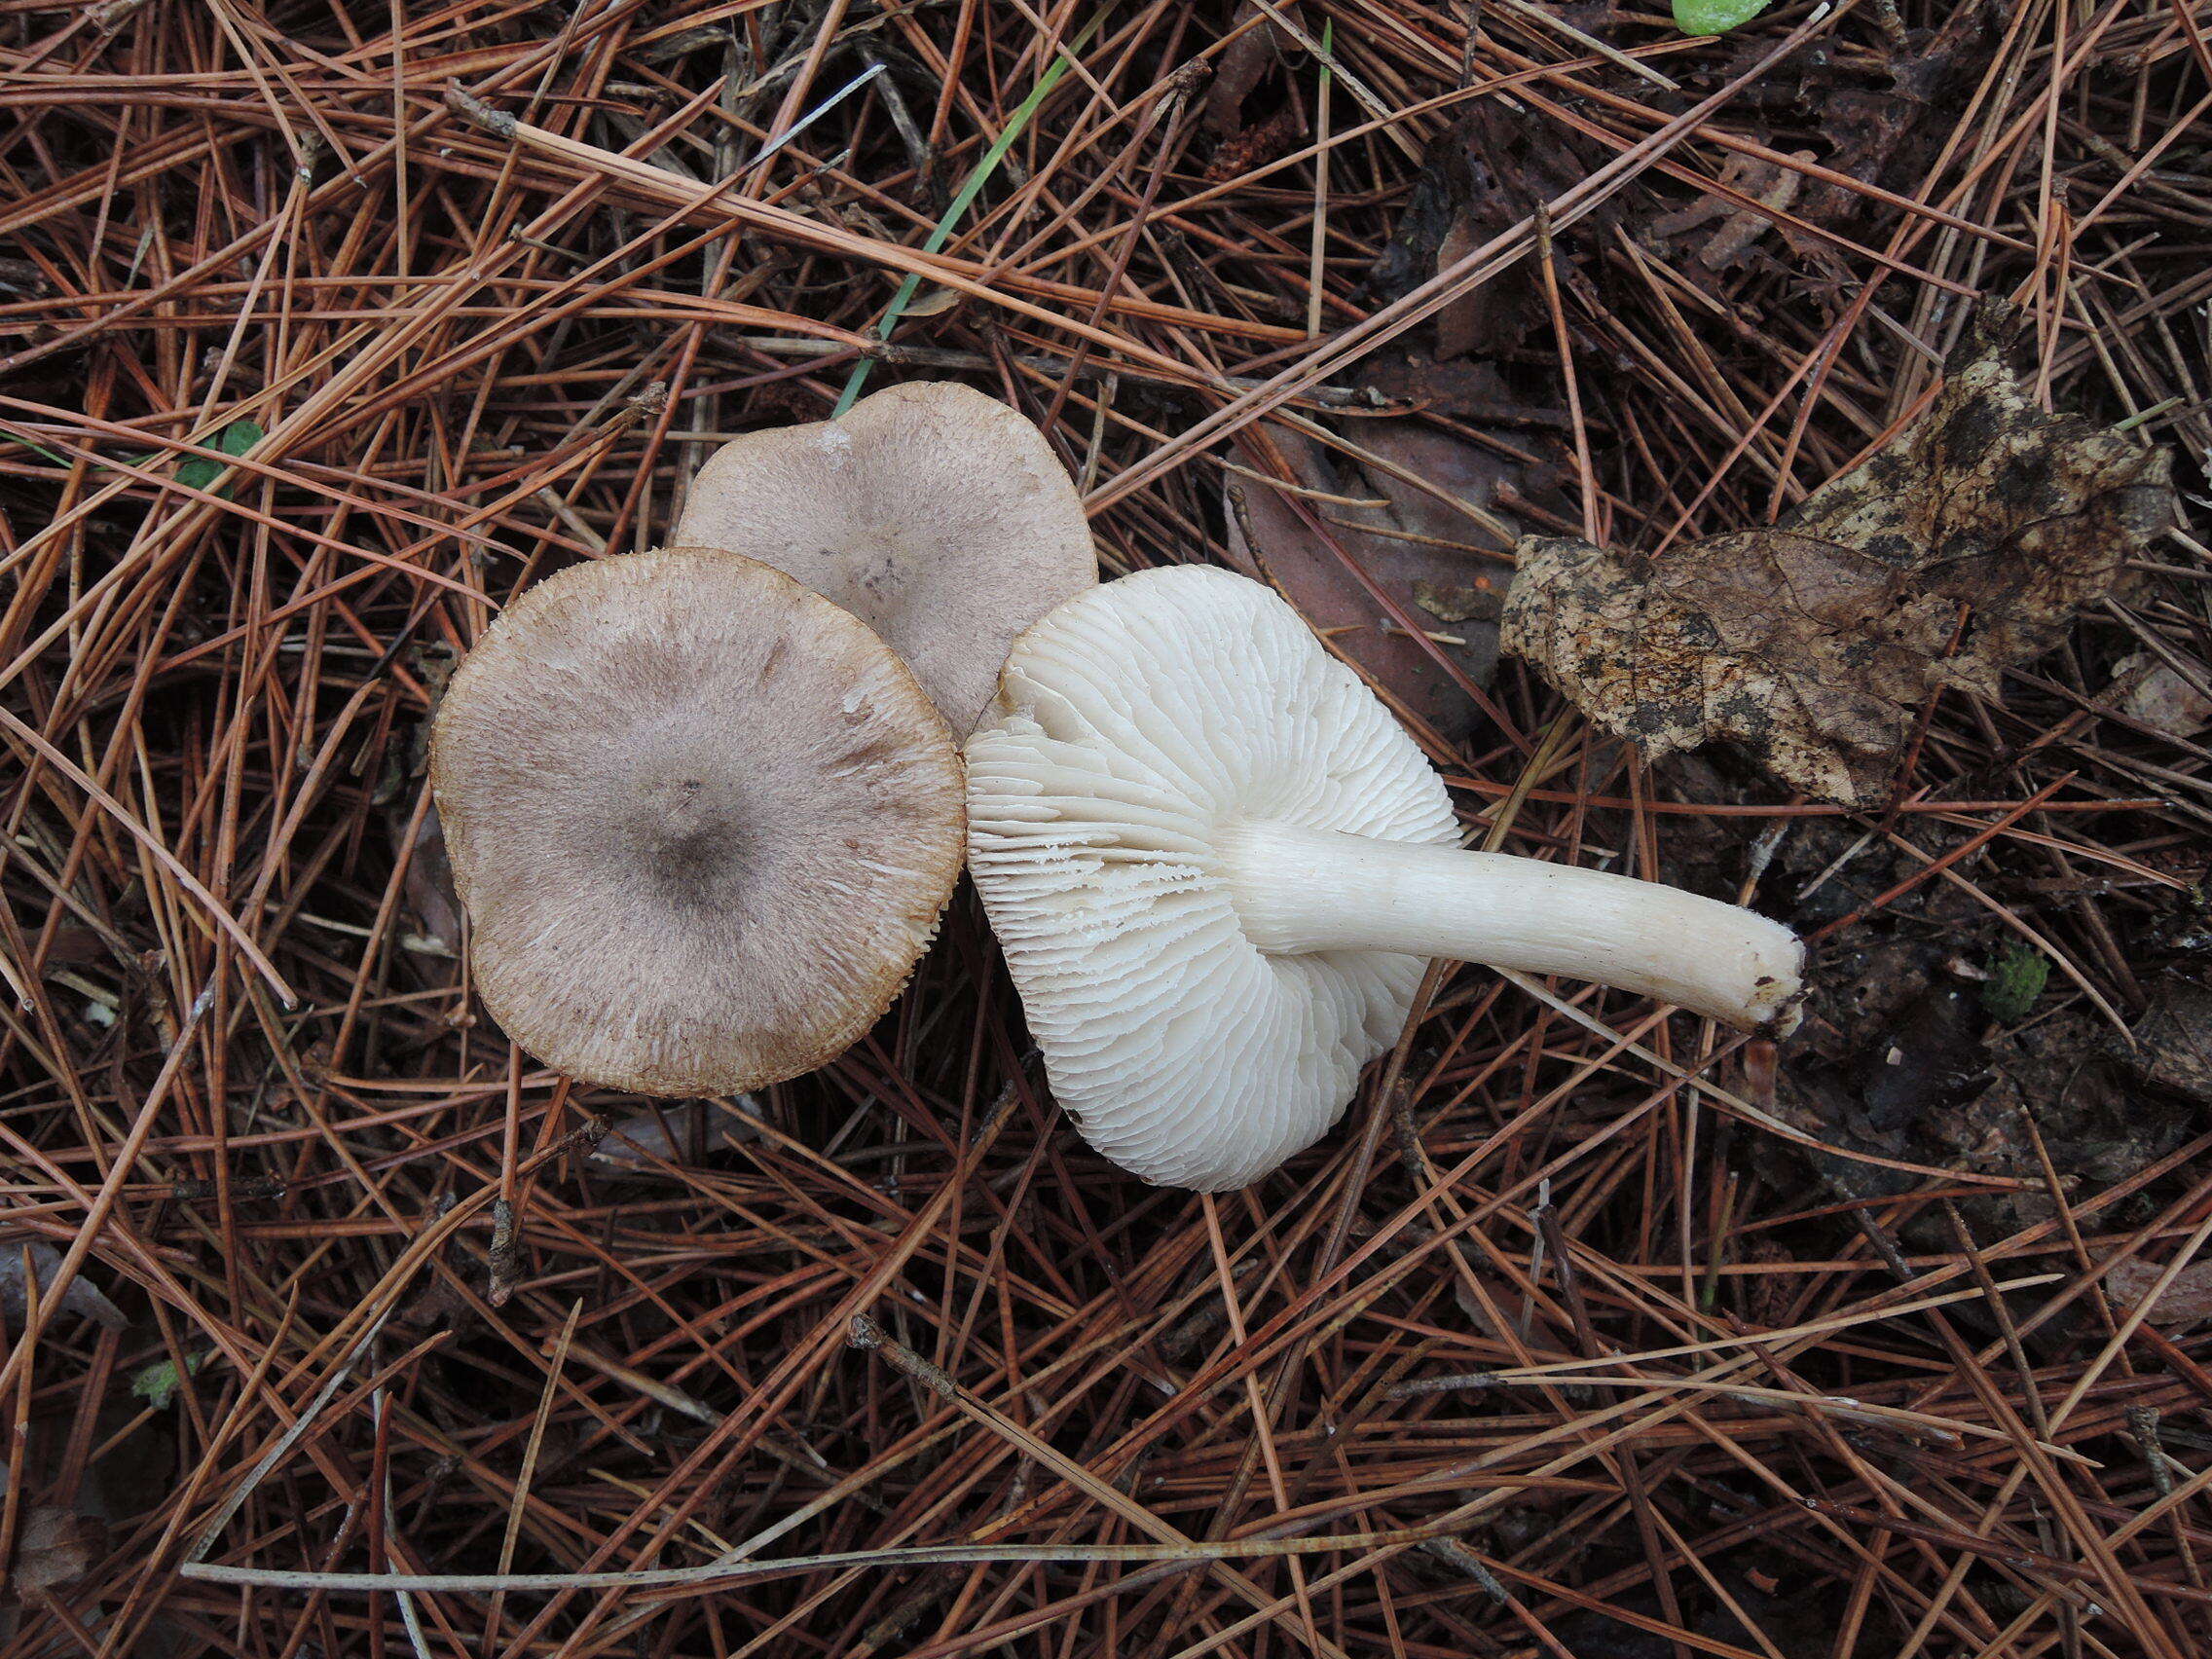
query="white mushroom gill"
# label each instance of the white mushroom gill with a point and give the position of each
(1217, 864)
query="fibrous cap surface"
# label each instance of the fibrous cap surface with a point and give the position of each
(702, 821)
(937, 515)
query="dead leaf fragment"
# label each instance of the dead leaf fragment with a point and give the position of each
(1964, 546)
(1250, 56)
(429, 889)
(935, 302)
(1883, 117)
(1767, 183)
(82, 1297)
(55, 1547)
(674, 1135)
(2183, 1302)
(2173, 1039)
(1489, 170)
(2150, 693)
(1442, 564)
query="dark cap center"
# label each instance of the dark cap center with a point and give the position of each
(688, 836)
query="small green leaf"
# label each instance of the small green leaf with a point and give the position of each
(2018, 973)
(1715, 17)
(239, 436)
(157, 1383)
(195, 473)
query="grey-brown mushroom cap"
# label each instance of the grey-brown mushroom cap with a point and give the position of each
(701, 822)
(938, 516)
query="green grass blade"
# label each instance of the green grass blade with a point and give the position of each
(963, 199)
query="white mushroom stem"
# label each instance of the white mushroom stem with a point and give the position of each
(1299, 890)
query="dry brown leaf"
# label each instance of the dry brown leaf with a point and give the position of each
(55, 1547)
(675, 1134)
(1492, 168)
(935, 302)
(2173, 1039)
(1422, 551)
(1965, 545)
(430, 893)
(2147, 692)
(1250, 56)
(1767, 183)
(2185, 1302)
(81, 1297)
(1881, 115)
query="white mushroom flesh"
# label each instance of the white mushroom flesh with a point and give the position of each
(1218, 865)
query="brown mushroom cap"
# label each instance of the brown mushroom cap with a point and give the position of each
(938, 516)
(701, 822)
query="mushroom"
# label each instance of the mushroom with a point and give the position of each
(701, 819)
(1217, 865)
(936, 515)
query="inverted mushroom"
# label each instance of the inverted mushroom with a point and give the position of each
(938, 516)
(701, 819)
(1217, 865)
